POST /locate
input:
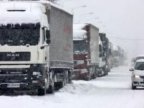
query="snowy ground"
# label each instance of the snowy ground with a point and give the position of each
(112, 91)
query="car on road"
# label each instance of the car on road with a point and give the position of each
(138, 74)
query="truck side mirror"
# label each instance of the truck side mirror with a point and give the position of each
(48, 37)
(100, 48)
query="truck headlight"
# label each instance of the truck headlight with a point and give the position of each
(137, 76)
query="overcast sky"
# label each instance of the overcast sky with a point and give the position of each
(122, 20)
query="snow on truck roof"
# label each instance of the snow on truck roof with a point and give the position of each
(17, 12)
(45, 2)
(56, 6)
(23, 11)
(78, 32)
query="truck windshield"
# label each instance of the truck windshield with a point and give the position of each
(139, 66)
(19, 34)
(80, 46)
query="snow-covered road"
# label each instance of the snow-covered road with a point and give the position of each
(112, 91)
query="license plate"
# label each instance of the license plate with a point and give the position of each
(13, 85)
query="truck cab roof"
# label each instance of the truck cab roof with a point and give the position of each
(21, 12)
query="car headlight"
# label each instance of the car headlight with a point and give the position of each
(137, 76)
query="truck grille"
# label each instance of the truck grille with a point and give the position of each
(16, 56)
(13, 75)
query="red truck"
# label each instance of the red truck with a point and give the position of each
(86, 51)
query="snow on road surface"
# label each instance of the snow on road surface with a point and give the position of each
(112, 91)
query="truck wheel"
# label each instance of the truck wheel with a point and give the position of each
(105, 72)
(105, 69)
(50, 89)
(133, 87)
(58, 85)
(69, 77)
(41, 92)
(101, 73)
(64, 82)
(95, 75)
(1, 92)
(88, 77)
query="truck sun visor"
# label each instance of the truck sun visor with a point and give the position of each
(16, 10)
(21, 26)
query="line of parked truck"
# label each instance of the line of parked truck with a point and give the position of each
(94, 54)
(41, 50)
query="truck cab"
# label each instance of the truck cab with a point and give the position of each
(24, 46)
(81, 59)
(86, 51)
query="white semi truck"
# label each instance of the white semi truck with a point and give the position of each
(35, 46)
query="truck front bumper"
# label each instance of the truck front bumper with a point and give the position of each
(21, 78)
(19, 86)
(80, 74)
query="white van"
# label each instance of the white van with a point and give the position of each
(138, 74)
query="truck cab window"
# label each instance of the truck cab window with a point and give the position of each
(17, 34)
(80, 46)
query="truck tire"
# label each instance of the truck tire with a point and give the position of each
(101, 73)
(66, 79)
(51, 89)
(1, 92)
(88, 77)
(95, 75)
(58, 85)
(69, 77)
(105, 72)
(41, 92)
(133, 87)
